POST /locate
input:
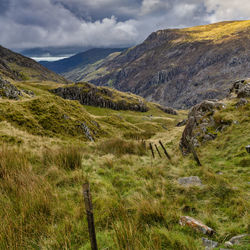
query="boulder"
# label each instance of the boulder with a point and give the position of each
(196, 225)
(190, 181)
(200, 118)
(241, 102)
(244, 91)
(209, 244)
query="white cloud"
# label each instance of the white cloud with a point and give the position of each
(222, 10)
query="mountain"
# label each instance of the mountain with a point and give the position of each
(17, 67)
(181, 67)
(79, 60)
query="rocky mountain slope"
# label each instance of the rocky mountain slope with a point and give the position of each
(181, 67)
(79, 60)
(17, 67)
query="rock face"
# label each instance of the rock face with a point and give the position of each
(179, 68)
(8, 90)
(200, 119)
(88, 94)
(167, 110)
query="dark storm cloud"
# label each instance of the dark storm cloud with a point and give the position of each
(104, 23)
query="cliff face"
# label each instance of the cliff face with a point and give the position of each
(180, 68)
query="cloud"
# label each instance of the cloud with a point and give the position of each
(227, 10)
(104, 23)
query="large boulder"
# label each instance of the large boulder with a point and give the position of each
(200, 118)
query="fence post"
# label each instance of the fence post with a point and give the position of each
(90, 216)
(191, 147)
(165, 151)
(158, 150)
(152, 150)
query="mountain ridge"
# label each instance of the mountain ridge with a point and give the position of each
(179, 67)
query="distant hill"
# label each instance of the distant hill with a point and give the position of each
(79, 60)
(18, 67)
(180, 67)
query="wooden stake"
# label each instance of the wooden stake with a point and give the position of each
(152, 150)
(158, 150)
(90, 216)
(165, 151)
(191, 148)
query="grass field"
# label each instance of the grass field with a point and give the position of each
(44, 160)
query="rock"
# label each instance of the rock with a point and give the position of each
(167, 110)
(236, 240)
(190, 181)
(209, 244)
(195, 224)
(28, 92)
(200, 118)
(9, 90)
(228, 244)
(244, 91)
(181, 123)
(86, 130)
(241, 102)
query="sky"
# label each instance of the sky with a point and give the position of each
(26, 24)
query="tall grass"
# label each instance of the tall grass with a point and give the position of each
(26, 201)
(120, 147)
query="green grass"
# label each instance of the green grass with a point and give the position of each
(137, 200)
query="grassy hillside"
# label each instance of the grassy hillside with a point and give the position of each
(17, 67)
(80, 60)
(45, 157)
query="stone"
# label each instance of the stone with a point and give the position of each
(200, 118)
(86, 130)
(196, 225)
(209, 244)
(190, 181)
(181, 123)
(228, 244)
(241, 102)
(8, 90)
(236, 240)
(244, 91)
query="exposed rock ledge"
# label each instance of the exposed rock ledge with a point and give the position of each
(8, 90)
(103, 97)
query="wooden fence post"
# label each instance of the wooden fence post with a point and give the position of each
(90, 216)
(165, 151)
(152, 150)
(158, 150)
(191, 148)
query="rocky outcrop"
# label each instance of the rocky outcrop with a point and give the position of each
(8, 90)
(167, 110)
(88, 94)
(241, 88)
(200, 119)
